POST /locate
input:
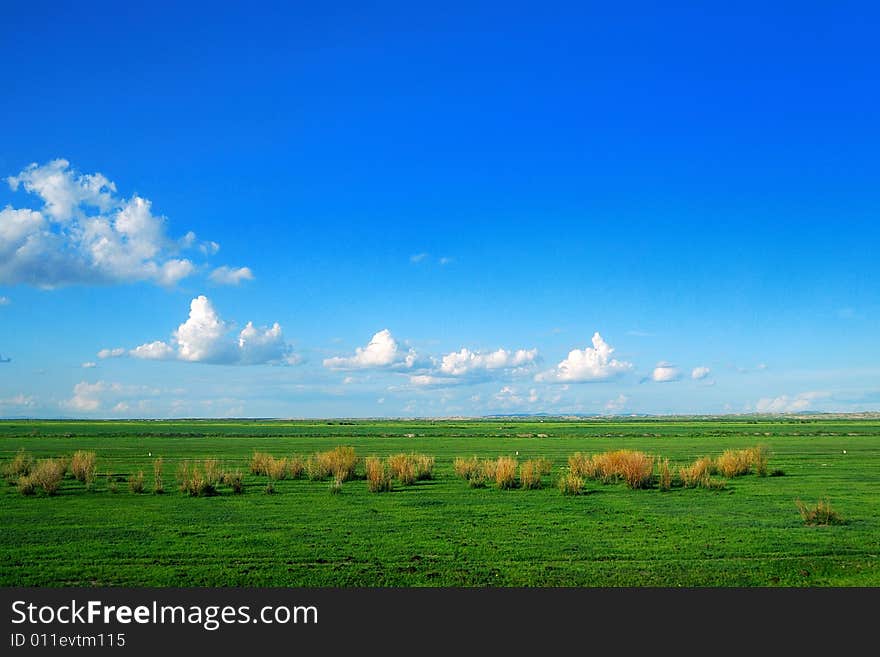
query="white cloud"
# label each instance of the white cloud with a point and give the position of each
(445, 260)
(111, 353)
(231, 276)
(459, 363)
(427, 380)
(617, 404)
(665, 372)
(85, 233)
(786, 404)
(383, 351)
(19, 401)
(699, 373)
(89, 365)
(206, 338)
(418, 257)
(590, 364)
(88, 397)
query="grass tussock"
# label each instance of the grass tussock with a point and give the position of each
(136, 483)
(46, 474)
(823, 514)
(664, 474)
(295, 467)
(582, 465)
(259, 464)
(277, 469)
(734, 463)
(570, 483)
(194, 481)
(158, 485)
(19, 466)
(83, 465)
(26, 485)
(531, 471)
(379, 479)
(339, 462)
(505, 472)
(402, 468)
(234, 479)
(759, 456)
(635, 468)
(697, 474)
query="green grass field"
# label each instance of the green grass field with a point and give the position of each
(441, 532)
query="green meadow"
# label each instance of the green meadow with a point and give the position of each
(441, 532)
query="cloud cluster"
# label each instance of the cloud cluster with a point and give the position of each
(465, 361)
(700, 373)
(85, 233)
(786, 404)
(665, 372)
(589, 364)
(206, 338)
(382, 352)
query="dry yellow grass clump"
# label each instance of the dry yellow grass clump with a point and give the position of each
(570, 483)
(378, 476)
(193, 480)
(505, 472)
(46, 474)
(733, 463)
(234, 479)
(821, 514)
(403, 468)
(136, 483)
(664, 474)
(83, 465)
(531, 471)
(259, 464)
(19, 466)
(697, 473)
(340, 462)
(633, 467)
(158, 486)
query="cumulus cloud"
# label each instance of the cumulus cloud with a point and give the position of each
(86, 233)
(18, 401)
(699, 373)
(206, 338)
(87, 397)
(429, 380)
(116, 352)
(382, 352)
(89, 365)
(617, 404)
(665, 372)
(589, 364)
(465, 361)
(786, 404)
(231, 276)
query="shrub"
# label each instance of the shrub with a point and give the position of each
(505, 472)
(378, 477)
(234, 479)
(83, 466)
(821, 514)
(47, 474)
(19, 466)
(570, 484)
(664, 474)
(158, 486)
(530, 474)
(26, 485)
(733, 463)
(136, 483)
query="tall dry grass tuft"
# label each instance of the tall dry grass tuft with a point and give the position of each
(314, 470)
(570, 483)
(466, 468)
(581, 465)
(530, 474)
(424, 467)
(822, 514)
(489, 467)
(47, 474)
(83, 465)
(259, 463)
(136, 483)
(403, 468)
(277, 469)
(19, 466)
(234, 479)
(158, 485)
(697, 473)
(193, 481)
(664, 474)
(734, 463)
(213, 471)
(378, 476)
(26, 485)
(505, 472)
(340, 462)
(295, 467)
(633, 467)
(758, 457)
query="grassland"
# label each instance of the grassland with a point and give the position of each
(441, 532)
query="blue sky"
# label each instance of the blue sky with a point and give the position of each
(698, 187)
